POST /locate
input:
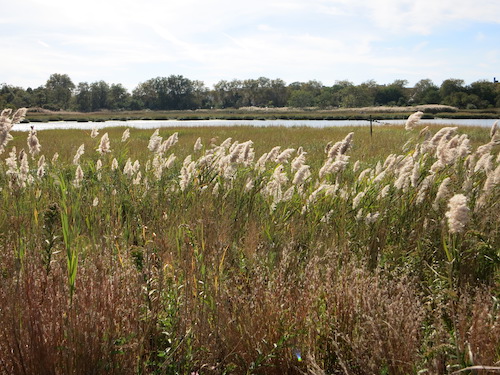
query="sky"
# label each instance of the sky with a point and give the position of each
(130, 41)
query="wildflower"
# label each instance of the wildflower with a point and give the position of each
(443, 192)
(334, 165)
(11, 161)
(79, 153)
(216, 188)
(172, 140)
(356, 166)
(104, 146)
(383, 193)
(312, 198)
(98, 167)
(94, 133)
(247, 153)
(154, 141)
(24, 167)
(170, 161)
(341, 147)
(54, 158)
(415, 175)
(6, 124)
(380, 176)
(198, 145)
(288, 193)
(33, 143)
(275, 184)
(125, 135)
(372, 218)
(413, 120)
(184, 177)
(137, 179)
(301, 175)
(425, 133)
(494, 130)
(357, 199)
(5, 138)
(273, 154)
(298, 161)
(444, 133)
(226, 143)
(363, 174)
(41, 167)
(424, 187)
(484, 163)
(458, 213)
(492, 180)
(136, 166)
(114, 164)
(249, 185)
(260, 165)
(78, 176)
(285, 155)
(359, 215)
(158, 165)
(128, 169)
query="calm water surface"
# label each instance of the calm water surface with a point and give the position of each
(153, 124)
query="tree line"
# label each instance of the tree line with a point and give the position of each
(177, 92)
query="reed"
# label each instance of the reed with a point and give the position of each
(249, 250)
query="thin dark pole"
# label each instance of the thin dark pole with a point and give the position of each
(371, 126)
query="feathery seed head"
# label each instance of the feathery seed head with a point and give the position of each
(94, 133)
(458, 213)
(125, 135)
(104, 145)
(413, 120)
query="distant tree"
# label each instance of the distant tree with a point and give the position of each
(301, 98)
(263, 92)
(425, 92)
(327, 98)
(278, 93)
(393, 94)
(59, 90)
(83, 97)
(118, 97)
(451, 86)
(165, 93)
(15, 97)
(228, 94)
(144, 96)
(180, 93)
(39, 97)
(486, 91)
(99, 92)
(202, 97)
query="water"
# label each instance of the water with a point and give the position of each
(153, 124)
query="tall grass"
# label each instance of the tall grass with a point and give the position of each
(227, 260)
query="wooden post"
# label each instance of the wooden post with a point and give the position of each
(371, 127)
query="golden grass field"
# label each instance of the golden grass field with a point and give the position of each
(244, 250)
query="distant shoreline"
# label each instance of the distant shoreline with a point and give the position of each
(254, 113)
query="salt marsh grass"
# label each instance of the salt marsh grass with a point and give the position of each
(250, 250)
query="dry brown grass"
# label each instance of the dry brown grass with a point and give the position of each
(101, 331)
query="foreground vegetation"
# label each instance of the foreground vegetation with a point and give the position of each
(249, 250)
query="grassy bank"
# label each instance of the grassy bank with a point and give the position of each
(378, 113)
(250, 251)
